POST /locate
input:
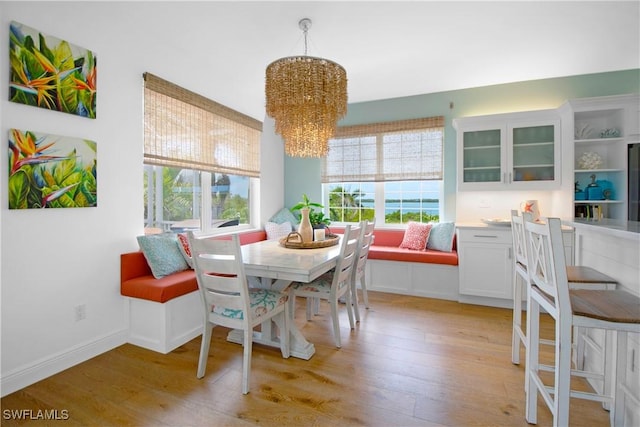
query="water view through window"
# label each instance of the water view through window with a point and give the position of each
(397, 201)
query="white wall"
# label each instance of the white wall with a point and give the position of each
(271, 171)
(55, 259)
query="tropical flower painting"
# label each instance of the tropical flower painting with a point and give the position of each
(51, 73)
(50, 171)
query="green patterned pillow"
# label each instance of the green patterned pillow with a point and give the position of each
(285, 215)
(162, 253)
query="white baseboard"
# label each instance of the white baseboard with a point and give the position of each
(44, 368)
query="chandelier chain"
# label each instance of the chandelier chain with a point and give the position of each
(305, 41)
(304, 25)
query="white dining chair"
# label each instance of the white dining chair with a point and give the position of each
(615, 310)
(365, 240)
(332, 285)
(228, 301)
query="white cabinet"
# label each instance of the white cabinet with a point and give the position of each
(485, 262)
(630, 396)
(486, 259)
(603, 128)
(509, 151)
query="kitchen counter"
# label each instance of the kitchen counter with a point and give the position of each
(498, 226)
(612, 247)
(625, 230)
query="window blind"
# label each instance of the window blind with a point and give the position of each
(390, 151)
(185, 130)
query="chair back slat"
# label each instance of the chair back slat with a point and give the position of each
(546, 263)
(364, 243)
(518, 235)
(221, 278)
(346, 260)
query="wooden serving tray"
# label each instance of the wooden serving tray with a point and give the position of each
(294, 241)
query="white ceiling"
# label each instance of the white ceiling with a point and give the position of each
(393, 49)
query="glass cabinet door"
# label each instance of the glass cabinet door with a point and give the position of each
(533, 153)
(482, 156)
(512, 151)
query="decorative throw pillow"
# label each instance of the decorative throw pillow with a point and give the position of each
(185, 250)
(285, 215)
(441, 236)
(163, 254)
(416, 236)
(276, 231)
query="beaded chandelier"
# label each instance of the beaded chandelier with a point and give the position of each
(306, 96)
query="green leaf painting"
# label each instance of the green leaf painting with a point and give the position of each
(51, 171)
(50, 73)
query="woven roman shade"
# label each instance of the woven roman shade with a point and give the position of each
(403, 150)
(186, 130)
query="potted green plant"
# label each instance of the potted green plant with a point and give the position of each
(316, 218)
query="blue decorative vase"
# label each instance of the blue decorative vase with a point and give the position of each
(594, 191)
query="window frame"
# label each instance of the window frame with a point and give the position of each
(362, 134)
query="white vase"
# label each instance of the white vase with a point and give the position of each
(305, 229)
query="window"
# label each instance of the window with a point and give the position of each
(174, 200)
(192, 143)
(387, 170)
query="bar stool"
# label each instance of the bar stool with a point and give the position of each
(615, 310)
(579, 277)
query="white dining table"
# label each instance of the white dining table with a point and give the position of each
(272, 266)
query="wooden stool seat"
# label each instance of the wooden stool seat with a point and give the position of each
(582, 274)
(615, 306)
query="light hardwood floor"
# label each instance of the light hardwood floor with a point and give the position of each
(410, 362)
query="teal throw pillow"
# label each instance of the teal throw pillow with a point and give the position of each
(441, 236)
(162, 254)
(285, 215)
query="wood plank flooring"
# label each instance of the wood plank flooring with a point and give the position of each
(410, 362)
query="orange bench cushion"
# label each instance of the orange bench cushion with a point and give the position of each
(138, 282)
(160, 290)
(386, 246)
(393, 253)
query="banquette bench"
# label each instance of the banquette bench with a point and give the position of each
(165, 313)
(427, 273)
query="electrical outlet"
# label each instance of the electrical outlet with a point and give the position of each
(81, 312)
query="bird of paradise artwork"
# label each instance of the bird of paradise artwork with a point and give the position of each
(51, 73)
(51, 171)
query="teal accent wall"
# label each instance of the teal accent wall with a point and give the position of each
(303, 175)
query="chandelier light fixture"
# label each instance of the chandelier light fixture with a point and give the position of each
(306, 96)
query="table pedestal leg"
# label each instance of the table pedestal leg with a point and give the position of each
(298, 345)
